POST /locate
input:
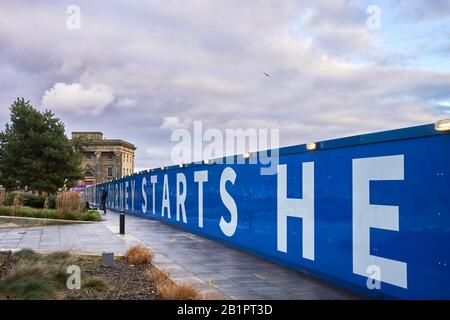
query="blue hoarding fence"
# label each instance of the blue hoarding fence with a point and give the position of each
(370, 213)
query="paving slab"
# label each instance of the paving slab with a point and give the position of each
(216, 269)
(225, 270)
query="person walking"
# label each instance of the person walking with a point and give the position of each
(103, 197)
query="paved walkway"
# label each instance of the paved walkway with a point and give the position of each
(212, 267)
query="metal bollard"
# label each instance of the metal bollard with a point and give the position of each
(122, 222)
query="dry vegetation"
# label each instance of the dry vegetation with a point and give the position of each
(17, 203)
(46, 204)
(175, 291)
(213, 296)
(2, 195)
(158, 276)
(169, 290)
(139, 255)
(69, 201)
(165, 287)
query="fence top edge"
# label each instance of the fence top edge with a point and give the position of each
(362, 139)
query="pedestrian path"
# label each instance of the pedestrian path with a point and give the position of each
(86, 238)
(212, 267)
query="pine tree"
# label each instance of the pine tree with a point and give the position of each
(35, 152)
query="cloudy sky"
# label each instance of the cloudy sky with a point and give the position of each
(138, 69)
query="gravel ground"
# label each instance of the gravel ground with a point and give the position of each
(128, 282)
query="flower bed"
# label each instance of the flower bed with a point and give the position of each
(91, 215)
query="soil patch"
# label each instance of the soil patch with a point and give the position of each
(127, 282)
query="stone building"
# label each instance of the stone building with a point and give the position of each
(105, 159)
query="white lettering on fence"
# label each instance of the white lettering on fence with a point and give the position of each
(144, 195)
(200, 177)
(154, 181)
(133, 187)
(165, 199)
(228, 228)
(299, 208)
(181, 196)
(367, 216)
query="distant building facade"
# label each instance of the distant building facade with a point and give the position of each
(105, 159)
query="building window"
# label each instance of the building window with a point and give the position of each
(89, 174)
(110, 172)
(88, 156)
(110, 156)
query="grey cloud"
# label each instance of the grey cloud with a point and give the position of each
(425, 10)
(203, 60)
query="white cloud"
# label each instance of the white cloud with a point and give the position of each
(174, 123)
(206, 62)
(77, 98)
(126, 103)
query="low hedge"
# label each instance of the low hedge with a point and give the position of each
(91, 215)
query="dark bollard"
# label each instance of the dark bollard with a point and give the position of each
(122, 222)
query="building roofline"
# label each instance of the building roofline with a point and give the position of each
(111, 142)
(87, 132)
(103, 141)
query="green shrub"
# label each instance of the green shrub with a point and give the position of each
(52, 214)
(27, 255)
(92, 284)
(52, 202)
(70, 215)
(5, 211)
(27, 288)
(60, 259)
(36, 213)
(57, 256)
(39, 213)
(91, 215)
(31, 200)
(9, 199)
(43, 276)
(28, 212)
(28, 282)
